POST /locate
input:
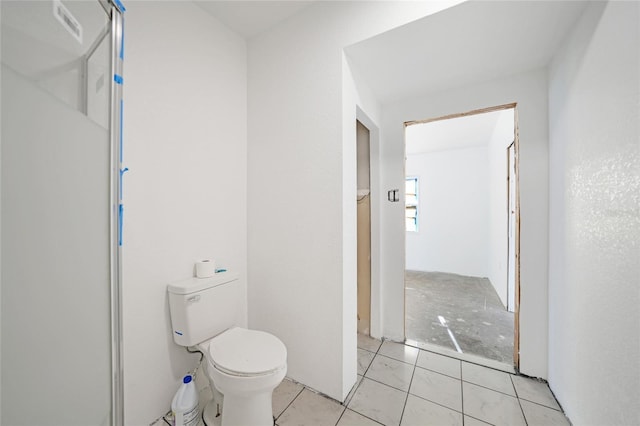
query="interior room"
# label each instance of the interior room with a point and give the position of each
(237, 132)
(460, 271)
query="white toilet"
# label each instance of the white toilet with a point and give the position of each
(244, 365)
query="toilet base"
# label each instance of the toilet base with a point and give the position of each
(262, 417)
(210, 414)
(235, 412)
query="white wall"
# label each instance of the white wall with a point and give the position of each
(302, 185)
(453, 211)
(501, 138)
(529, 91)
(594, 256)
(185, 196)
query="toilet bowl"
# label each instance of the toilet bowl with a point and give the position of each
(245, 366)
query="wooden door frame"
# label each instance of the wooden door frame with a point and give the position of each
(516, 167)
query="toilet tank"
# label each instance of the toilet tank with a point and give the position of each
(202, 308)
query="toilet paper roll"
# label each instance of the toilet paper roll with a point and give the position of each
(205, 268)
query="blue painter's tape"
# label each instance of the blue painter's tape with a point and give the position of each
(122, 172)
(122, 42)
(118, 78)
(119, 5)
(120, 220)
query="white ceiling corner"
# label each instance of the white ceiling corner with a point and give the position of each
(249, 18)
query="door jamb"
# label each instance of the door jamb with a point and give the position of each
(375, 324)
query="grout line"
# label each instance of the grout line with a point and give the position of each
(437, 403)
(375, 354)
(439, 372)
(469, 357)
(519, 403)
(386, 384)
(475, 418)
(359, 413)
(406, 398)
(341, 414)
(522, 411)
(546, 383)
(354, 390)
(553, 394)
(491, 389)
(461, 393)
(389, 386)
(364, 373)
(514, 387)
(289, 404)
(560, 410)
(346, 405)
(395, 359)
(432, 371)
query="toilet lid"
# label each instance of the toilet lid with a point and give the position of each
(243, 352)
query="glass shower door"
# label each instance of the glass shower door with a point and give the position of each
(56, 352)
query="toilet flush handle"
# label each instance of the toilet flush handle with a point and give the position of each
(194, 299)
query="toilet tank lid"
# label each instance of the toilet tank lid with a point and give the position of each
(193, 285)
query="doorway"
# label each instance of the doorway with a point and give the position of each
(363, 228)
(461, 278)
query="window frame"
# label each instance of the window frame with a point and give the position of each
(411, 205)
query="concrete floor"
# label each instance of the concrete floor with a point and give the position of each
(458, 312)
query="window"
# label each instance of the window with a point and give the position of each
(411, 204)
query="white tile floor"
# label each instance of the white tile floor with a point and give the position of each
(403, 385)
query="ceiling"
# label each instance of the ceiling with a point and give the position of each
(249, 18)
(456, 133)
(472, 42)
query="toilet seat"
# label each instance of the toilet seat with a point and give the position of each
(247, 353)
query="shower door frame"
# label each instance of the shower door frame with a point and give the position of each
(115, 10)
